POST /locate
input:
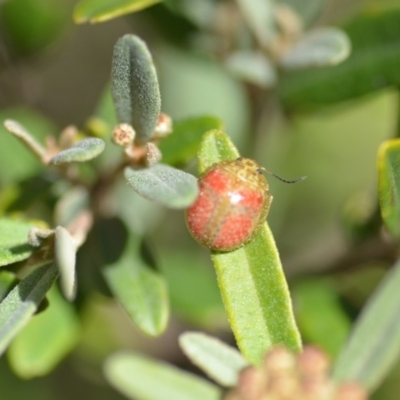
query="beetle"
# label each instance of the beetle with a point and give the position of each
(233, 202)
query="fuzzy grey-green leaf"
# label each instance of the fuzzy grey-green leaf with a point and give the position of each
(25, 137)
(65, 255)
(166, 185)
(139, 377)
(318, 48)
(22, 302)
(135, 87)
(85, 150)
(219, 361)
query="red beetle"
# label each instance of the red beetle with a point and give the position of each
(233, 203)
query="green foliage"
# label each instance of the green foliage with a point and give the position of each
(371, 66)
(221, 362)
(139, 288)
(182, 144)
(82, 151)
(46, 339)
(169, 186)
(23, 301)
(374, 345)
(102, 10)
(234, 68)
(388, 185)
(65, 255)
(14, 244)
(251, 279)
(171, 383)
(11, 152)
(319, 48)
(135, 86)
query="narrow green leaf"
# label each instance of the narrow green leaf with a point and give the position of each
(166, 185)
(85, 150)
(251, 279)
(372, 64)
(318, 48)
(22, 302)
(389, 185)
(139, 377)
(14, 244)
(320, 315)
(182, 144)
(65, 257)
(374, 344)
(103, 10)
(140, 289)
(25, 137)
(45, 341)
(135, 86)
(11, 150)
(219, 361)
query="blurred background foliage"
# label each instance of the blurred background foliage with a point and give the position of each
(325, 123)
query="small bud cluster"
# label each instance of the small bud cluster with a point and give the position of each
(286, 376)
(149, 154)
(123, 135)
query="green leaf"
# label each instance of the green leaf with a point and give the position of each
(320, 315)
(166, 185)
(7, 281)
(182, 144)
(85, 150)
(23, 301)
(21, 133)
(11, 150)
(253, 67)
(219, 361)
(141, 290)
(374, 345)
(318, 48)
(46, 340)
(65, 258)
(389, 185)
(251, 279)
(139, 377)
(135, 88)
(14, 244)
(372, 65)
(103, 10)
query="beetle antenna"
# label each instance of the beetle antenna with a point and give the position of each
(261, 169)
